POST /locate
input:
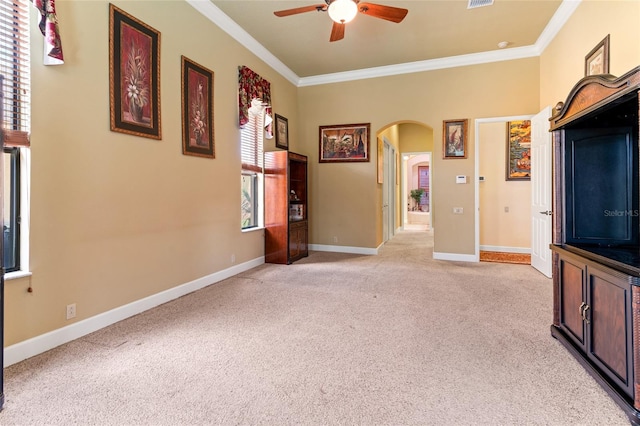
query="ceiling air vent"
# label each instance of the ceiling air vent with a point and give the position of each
(479, 3)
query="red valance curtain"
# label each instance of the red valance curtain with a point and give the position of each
(250, 86)
(50, 30)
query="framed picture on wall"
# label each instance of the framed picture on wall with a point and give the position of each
(454, 139)
(197, 110)
(519, 150)
(597, 61)
(134, 75)
(343, 143)
(282, 132)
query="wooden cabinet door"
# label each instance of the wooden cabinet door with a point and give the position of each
(572, 298)
(609, 343)
(297, 241)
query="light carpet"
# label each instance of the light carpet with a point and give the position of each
(334, 339)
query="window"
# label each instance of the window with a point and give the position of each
(11, 225)
(249, 197)
(14, 67)
(251, 138)
(16, 124)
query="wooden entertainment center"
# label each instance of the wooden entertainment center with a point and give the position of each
(286, 213)
(596, 232)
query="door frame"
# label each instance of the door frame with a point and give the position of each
(476, 187)
(404, 190)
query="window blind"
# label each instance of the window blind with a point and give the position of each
(251, 138)
(14, 66)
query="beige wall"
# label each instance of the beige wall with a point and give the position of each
(562, 62)
(428, 98)
(116, 218)
(498, 227)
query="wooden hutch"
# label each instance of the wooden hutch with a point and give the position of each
(285, 216)
(596, 232)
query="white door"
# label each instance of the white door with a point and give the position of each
(541, 215)
(391, 190)
(385, 192)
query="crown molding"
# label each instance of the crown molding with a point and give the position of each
(555, 24)
(215, 15)
(420, 66)
(228, 25)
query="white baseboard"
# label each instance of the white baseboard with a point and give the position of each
(505, 249)
(39, 344)
(456, 257)
(343, 249)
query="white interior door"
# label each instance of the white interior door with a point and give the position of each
(385, 192)
(391, 190)
(541, 215)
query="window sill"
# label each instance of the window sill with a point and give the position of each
(16, 274)
(257, 228)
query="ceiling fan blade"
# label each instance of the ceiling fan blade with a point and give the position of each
(337, 32)
(296, 10)
(393, 14)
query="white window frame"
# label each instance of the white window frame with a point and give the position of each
(257, 130)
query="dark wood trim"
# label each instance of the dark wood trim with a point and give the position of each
(635, 325)
(592, 93)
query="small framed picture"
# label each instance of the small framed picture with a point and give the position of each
(197, 110)
(454, 139)
(282, 132)
(597, 61)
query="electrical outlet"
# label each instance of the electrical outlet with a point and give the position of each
(71, 311)
(458, 210)
(335, 239)
(233, 258)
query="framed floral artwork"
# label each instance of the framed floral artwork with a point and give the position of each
(282, 132)
(519, 150)
(343, 143)
(134, 75)
(597, 61)
(454, 139)
(198, 137)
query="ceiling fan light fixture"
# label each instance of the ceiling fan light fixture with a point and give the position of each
(342, 11)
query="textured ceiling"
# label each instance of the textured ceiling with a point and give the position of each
(431, 30)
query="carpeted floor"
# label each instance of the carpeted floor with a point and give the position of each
(334, 339)
(503, 257)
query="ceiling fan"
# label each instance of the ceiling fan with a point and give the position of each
(343, 11)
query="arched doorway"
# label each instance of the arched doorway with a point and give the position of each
(395, 142)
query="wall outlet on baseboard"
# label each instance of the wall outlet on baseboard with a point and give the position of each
(71, 311)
